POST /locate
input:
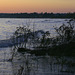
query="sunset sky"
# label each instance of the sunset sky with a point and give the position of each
(21, 6)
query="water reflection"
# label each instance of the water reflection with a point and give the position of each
(5, 66)
(27, 64)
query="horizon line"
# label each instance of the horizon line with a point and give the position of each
(36, 12)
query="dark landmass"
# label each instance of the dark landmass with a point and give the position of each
(37, 15)
(60, 50)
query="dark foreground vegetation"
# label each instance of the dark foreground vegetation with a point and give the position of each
(63, 44)
(61, 50)
(37, 15)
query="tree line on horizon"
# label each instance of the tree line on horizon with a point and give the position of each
(37, 15)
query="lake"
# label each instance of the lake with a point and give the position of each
(27, 64)
(8, 25)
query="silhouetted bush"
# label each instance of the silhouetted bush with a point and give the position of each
(63, 44)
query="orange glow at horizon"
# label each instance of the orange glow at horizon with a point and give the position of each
(21, 6)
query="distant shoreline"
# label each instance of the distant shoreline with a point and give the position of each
(37, 15)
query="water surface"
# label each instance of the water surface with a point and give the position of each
(31, 64)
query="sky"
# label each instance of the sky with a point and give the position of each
(29, 6)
